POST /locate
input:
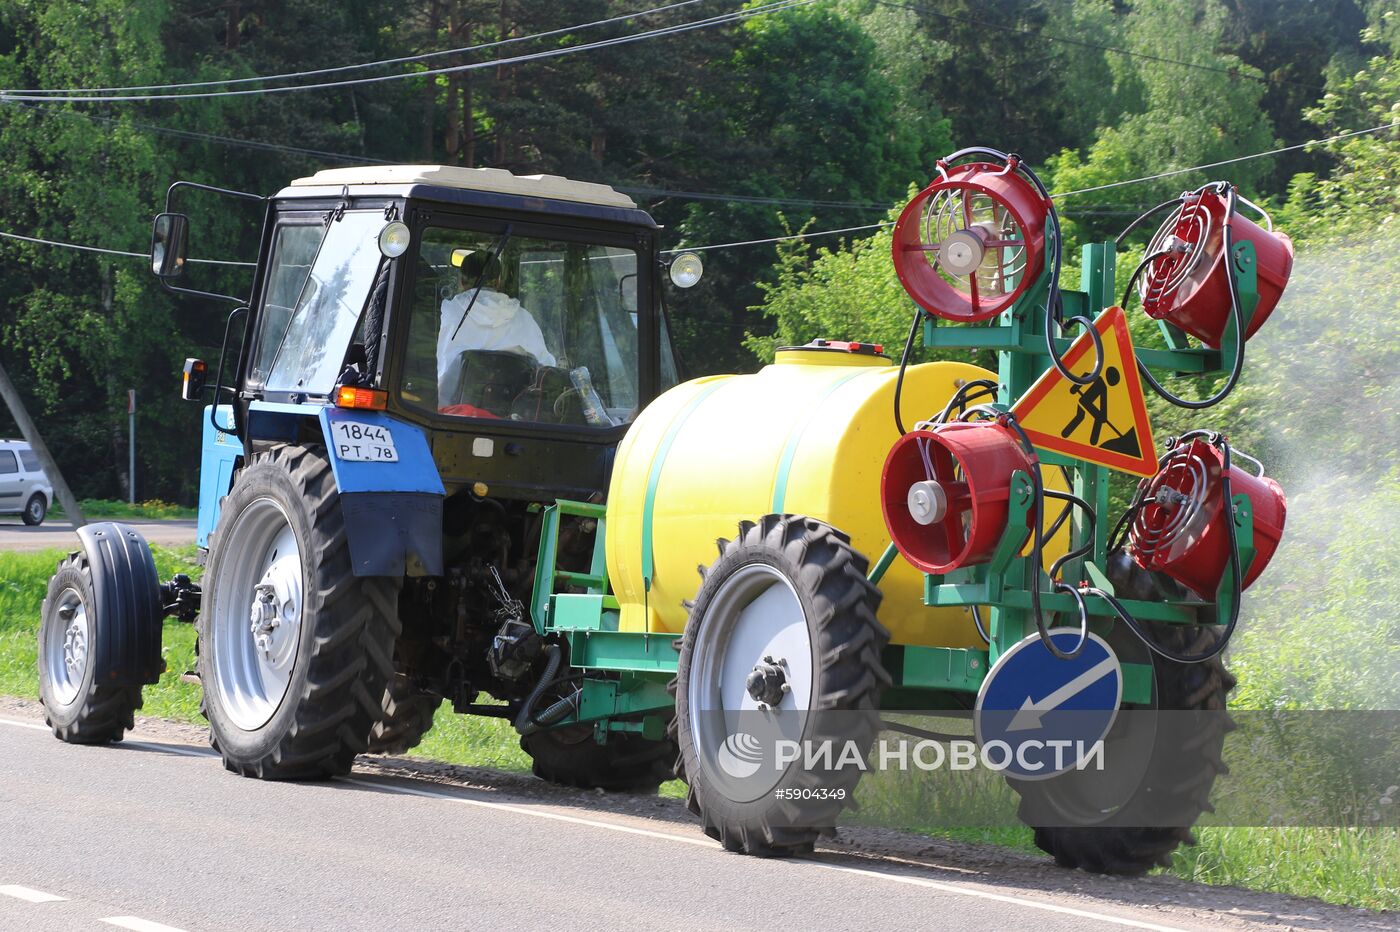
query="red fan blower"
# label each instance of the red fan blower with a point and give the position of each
(1189, 285)
(969, 244)
(1180, 528)
(945, 492)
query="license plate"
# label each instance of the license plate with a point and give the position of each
(360, 442)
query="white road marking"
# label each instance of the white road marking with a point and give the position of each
(137, 924)
(537, 813)
(707, 843)
(181, 749)
(10, 721)
(30, 896)
(999, 897)
(142, 925)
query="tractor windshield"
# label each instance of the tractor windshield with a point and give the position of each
(316, 289)
(525, 329)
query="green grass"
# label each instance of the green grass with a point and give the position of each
(95, 509)
(1355, 867)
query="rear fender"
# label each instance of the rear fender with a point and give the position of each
(392, 508)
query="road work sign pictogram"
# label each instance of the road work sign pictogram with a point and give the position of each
(1104, 422)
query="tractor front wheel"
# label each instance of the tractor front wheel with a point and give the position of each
(782, 645)
(295, 650)
(82, 704)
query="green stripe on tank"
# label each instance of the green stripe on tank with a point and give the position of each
(654, 479)
(780, 479)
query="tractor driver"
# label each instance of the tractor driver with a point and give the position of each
(483, 318)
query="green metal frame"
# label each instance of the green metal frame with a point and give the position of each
(625, 673)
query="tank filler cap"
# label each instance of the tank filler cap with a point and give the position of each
(837, 346)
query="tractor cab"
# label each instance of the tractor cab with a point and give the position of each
(516, 320)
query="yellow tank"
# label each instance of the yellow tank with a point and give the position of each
(806, 435)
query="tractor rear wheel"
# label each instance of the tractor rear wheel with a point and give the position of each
(1170, 775)
(783, 641)
(408, 717)
(295, 650)
(571, 756)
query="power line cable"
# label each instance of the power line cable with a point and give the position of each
(111, 252)
(364, 65)
(1059, 196)
(1231, 72)
(641, 191)
(1242, 158)
(736, 16)
(854, 229)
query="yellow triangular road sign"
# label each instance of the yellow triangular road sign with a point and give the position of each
(1104, 422)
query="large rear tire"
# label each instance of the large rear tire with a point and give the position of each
(788, 594)
(570, 756)
(407, 717)
(1176, 775)
(295, 650)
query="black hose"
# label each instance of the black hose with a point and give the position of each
(965, 395)
(1038, 493)
(553, 657)
(1069, 506)
(1236, 315)
(1052, 321)
(1237, 581)
(903, 365)
(1118, 241)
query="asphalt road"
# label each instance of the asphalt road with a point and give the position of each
(153, 834)
(61, 535)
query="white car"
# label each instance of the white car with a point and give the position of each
(24, 489)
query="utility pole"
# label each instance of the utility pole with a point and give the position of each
(31, 436)
(131, 445)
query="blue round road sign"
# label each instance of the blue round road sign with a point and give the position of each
(1048, 712)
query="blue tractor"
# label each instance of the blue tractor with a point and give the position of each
(429, 356)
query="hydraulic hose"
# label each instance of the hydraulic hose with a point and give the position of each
(904, 365)
(1237, 581)
(526, 722)
(1037, 541)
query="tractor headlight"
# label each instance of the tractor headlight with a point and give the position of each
(394, 239)
(686, 269)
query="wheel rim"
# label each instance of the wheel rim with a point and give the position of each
(257, 614)
(755, 617)
(66, 646)
(36, 509)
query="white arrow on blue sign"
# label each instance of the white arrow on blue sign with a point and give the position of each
(1049, 711)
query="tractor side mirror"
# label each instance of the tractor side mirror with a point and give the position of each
(169, 241)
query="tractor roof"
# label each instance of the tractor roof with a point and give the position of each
(488, 180)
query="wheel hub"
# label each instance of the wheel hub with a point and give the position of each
(276, 613)
(257, 597)
(66, 647)
(767, 682)
(75, 648)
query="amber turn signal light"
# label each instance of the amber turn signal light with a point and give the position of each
(370, 399)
